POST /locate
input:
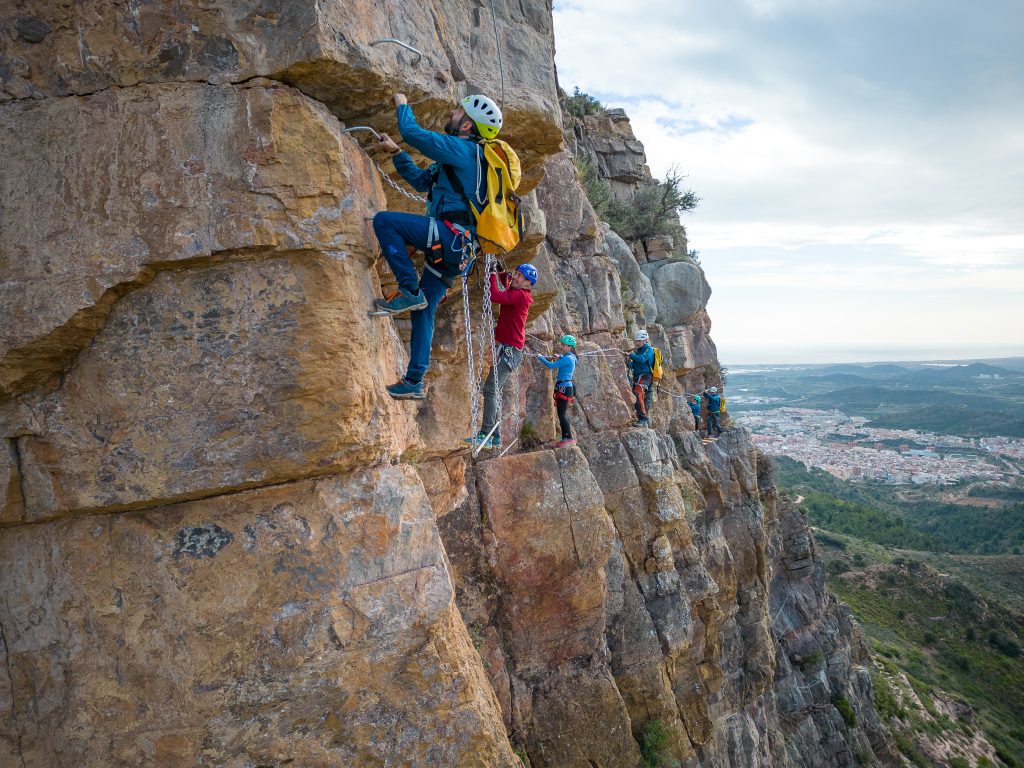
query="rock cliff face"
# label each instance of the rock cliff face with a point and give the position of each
(223, 544)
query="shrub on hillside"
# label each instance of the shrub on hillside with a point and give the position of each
(580, 103)
(653, 210)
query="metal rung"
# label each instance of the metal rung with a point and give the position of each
(363, 128)
(404, 45)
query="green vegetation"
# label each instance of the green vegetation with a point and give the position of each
(943, 636)
(580, 103)
(529, 440)
(654, 746)
(872, 512)
(988, 530)
(864, 522)
(653, 210)
(523, 757)
(846, 710)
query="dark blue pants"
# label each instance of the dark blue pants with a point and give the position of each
(713, 423)
(394, 231)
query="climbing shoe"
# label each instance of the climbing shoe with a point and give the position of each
(403, 301)
(406, 390)
(565, 442)
(481, 437)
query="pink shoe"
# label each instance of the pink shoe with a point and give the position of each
(563, 443)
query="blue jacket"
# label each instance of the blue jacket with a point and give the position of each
(566, 365)
(464, 156)
(695, 406)
(714, 402)
(642, 361)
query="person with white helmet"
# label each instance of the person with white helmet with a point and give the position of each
(640, 365)
(565, 390)
(515, 297)
(714, 400)
(450, 183)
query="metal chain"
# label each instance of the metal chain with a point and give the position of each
(474, 387)
(488, 325)
(395, 185)
(516, 420)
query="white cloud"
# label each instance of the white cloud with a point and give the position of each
(873, 150)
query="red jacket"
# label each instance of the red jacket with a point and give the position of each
(515, 306)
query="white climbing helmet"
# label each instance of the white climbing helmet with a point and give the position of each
(713, 390)
(641, 336)
(484, 113)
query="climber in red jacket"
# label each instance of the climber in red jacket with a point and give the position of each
(510, 339)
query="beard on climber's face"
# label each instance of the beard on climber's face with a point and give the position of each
(455, 122)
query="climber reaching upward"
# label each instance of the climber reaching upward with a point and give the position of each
(565, 391)
(447, 229)
(509, 338)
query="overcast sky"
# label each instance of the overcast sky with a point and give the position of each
(861, 164)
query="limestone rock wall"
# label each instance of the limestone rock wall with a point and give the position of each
(223, 544)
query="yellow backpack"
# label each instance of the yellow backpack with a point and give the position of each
(499, 223)
(658, 369)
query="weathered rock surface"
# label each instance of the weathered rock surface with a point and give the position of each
(607, 141)
(154, 178)
(319, 614)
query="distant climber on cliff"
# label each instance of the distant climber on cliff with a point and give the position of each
(446, 231)
(694, 402)
(640, 365)
(565, 391)
(515, 299)
(714, 410)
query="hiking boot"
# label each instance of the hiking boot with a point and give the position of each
(642, 423)
(406, 390)
(403, 301)
(481, 437)
(564, 442)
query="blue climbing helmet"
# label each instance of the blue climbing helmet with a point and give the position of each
(529, 272)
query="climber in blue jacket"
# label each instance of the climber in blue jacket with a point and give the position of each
(714, 410)
(640, 365)
(445, 233)
(565, 391)
(694, 402)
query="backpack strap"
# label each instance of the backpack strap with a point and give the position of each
(457, 186)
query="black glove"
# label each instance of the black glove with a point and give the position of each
(499, 266)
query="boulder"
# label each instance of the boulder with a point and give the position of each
(680, 289)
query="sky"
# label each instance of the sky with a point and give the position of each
(860, 164)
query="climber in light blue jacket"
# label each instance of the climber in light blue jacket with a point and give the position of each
(565, 391)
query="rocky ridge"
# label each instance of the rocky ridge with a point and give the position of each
(223, 544)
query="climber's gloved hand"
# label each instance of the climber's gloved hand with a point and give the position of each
(500, 265)
(388, 144)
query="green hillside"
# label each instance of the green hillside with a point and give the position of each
(939, 618)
